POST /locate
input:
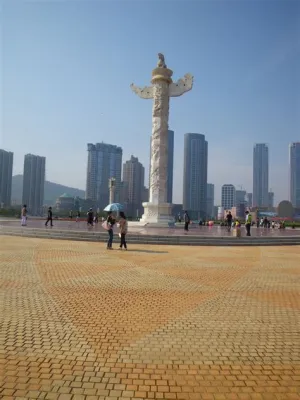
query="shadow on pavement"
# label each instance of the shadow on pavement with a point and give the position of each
(148, 251)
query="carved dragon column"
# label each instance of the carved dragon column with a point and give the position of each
(161, 79)
(157, 210)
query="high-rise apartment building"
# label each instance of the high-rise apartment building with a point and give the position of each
(170, 164)
(133, 178)
(33, 183)
(294, 161)
(260, 175)
(228, 196)
(195, 175)
(210, 196)
(6, 168)
(104, 162)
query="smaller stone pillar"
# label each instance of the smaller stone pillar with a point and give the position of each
(112, 190)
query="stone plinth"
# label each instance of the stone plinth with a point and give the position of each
(157, 214)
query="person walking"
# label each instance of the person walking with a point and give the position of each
(123, 230)
(90, 217)
(248, 223)
(49, 218)
(186, 221)
(229, 221)
(110, 228)
(71, 214)
(24, 215)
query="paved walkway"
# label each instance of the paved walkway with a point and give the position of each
(160, 322)
(195, 229)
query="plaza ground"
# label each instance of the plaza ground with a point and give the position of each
(156, 322)
(194, 229)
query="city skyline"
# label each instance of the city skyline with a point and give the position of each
(244, 56)
(241, 196)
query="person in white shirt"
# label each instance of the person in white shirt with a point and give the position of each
(24, 215)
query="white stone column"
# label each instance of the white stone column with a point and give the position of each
(159, 142)
(157, 211)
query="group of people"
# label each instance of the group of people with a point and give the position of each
(265, 223)
(24, 216)
(237, 223)
(229, 222)
(110, 224)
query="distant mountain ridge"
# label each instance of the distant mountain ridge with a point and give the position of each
(52, 191)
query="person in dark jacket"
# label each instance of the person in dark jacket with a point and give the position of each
(229, 221)
(186, 221)
(49, 218)
(90, 217)
(110, 228)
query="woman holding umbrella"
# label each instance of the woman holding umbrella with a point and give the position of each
(110, 221)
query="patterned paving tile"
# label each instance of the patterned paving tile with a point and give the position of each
(156, 322)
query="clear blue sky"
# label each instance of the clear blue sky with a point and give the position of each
(67, 66)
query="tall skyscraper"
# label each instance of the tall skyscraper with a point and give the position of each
(210, 196)
(33, 183)
(228, 198)
(170, 165)
(260, 175)
(294, 150)
(104, 162)
(195, 175)
(6, 167)
(133, 177)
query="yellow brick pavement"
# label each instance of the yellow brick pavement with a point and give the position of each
(157, 322)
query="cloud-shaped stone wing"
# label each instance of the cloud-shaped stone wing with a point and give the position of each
(145, 92)
(181, 86)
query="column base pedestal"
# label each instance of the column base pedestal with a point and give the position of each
(157, 215)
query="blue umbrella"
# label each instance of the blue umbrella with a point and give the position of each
(116, 207)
